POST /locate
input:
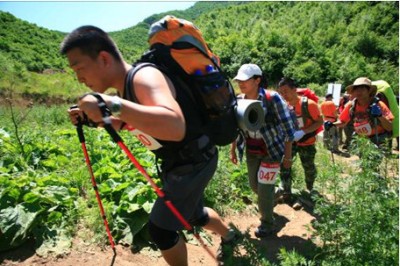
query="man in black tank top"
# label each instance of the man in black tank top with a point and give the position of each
(159, 119)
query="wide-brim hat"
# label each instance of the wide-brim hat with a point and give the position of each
(363, 81)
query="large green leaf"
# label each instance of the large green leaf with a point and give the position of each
(8, 196)
(16, 224)
(56, 241)
(130, 225)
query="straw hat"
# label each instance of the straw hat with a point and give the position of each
(363, 81)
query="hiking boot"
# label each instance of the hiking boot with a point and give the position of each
(227, 247)
(297, 205)
(262, 232)
(314, 193)
(283, 196)
(278, 193)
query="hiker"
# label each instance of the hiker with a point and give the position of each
(329, 113)
(371, 118)
(189, 160)
(267, 149)
(305, 139)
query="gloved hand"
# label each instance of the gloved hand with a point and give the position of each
(375, 110)
(328, 125)
(298, 135)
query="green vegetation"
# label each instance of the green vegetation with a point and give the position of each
(315, 42)
(34, 47)
(45, 188)
(46, 194)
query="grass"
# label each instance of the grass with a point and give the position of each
(357, 217)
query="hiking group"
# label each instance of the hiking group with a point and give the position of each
(156, 104)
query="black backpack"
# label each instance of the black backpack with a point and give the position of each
(178, 49)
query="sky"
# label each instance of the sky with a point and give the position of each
(110, 16)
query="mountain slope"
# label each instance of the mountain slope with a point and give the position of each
(314, 42)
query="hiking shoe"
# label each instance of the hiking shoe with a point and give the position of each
(227, 247)
(287, 198)
(262, 232)
(284, 198)
(278, 193)
(314, 193)
(297, 205)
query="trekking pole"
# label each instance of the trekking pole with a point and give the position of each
(81, 137)
(117, 139)
(376, 130)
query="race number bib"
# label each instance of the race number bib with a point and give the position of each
(148, 141)
(268, 172)
(363, 128)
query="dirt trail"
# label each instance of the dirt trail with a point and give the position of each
(292, 234)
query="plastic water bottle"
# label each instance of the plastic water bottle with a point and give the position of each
(198, 72)
(210, 69)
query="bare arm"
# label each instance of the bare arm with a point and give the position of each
(233, 152)
(385, 123)
(157, 113)
(287, 159)
(314, 126)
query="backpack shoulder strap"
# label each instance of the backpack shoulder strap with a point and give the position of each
(268, 101)
(129, 93)
(352, 109)
(268, 95)
(305, 113)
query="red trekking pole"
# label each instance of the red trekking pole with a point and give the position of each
(93, 180)
(117, 139)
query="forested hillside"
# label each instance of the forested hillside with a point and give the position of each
(34, 47)
(314, 42)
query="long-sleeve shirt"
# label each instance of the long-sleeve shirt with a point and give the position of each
(280, 125)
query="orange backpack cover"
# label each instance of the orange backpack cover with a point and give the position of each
(177, 33)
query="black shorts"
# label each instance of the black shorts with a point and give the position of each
(184, 186)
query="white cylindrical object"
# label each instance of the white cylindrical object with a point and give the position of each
(250, 114)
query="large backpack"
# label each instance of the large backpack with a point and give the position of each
(307, 92)
(385, 94)
(178, 48)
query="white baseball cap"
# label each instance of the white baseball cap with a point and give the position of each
(248, 71)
